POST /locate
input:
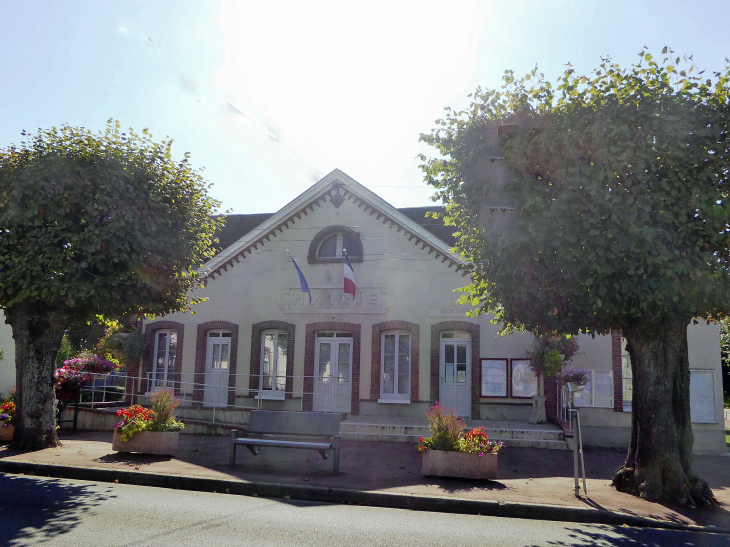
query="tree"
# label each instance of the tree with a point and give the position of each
(601, 204)
(91, 224)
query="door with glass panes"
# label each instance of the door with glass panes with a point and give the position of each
(455, 372)
(217, 362)
(333, 371)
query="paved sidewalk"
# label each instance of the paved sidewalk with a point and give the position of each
(532, 483)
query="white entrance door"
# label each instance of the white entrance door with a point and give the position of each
(333, 372)
(455, 373)
(217, 361)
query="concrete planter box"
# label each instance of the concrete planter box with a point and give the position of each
(164, 443)
(446, 463)
(6, 433)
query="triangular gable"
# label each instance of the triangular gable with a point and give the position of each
(337, 186)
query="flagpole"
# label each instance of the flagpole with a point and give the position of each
(350, 264)
(347, 272)
(302, 281)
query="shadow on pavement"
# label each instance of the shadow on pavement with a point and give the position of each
(625, 536)
(62, 507)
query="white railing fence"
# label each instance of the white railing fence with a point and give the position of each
(234, 393)
(564, 408)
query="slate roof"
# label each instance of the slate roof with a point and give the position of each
(239, 225)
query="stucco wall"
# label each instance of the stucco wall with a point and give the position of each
(7, 366)
(406, 283)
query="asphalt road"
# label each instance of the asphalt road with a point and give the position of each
(45, 511)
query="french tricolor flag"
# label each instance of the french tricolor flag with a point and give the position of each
(350, 283)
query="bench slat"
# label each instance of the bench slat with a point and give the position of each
(294, 423)
(299, 424)
(285, 444)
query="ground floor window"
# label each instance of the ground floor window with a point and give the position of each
(598, 392)
(395, 359)
(627, 376)
(274, 357)
(165, 355)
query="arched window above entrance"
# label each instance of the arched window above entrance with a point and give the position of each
(329, 246)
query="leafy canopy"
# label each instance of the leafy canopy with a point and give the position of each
(100, 223)
(599, 203)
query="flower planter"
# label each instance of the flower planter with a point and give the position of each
(163, 443)
(6, 433)
(464, 465)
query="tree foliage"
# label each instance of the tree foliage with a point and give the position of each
(95, 223)
(620, 186)
(92, 224)
(599, 204)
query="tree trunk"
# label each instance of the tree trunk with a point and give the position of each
(659, 461)
(38, 334)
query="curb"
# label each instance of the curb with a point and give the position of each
(348, 496)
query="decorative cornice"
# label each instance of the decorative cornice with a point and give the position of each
(339, 189)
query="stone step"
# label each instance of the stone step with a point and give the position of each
(551, 444)
(423, 431)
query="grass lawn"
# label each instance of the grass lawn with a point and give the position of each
(727, 437)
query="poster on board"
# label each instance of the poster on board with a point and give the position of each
(494, 377)
(524, 381)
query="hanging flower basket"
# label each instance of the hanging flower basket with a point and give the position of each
(576, 378)
(550, 353)
(68, 393)
(575, 386)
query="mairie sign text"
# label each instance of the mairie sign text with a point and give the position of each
(326, 299)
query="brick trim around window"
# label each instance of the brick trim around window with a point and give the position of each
(148, 356)
(618, 380)
(474, 330)
(201, 349)
(375, 364)
(255, 368)
(309, 346)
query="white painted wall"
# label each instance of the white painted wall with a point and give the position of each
(410, 285)
(7, 366)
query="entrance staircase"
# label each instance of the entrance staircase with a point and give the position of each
(409, 430)
(354, 428)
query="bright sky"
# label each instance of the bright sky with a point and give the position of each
(270, 96)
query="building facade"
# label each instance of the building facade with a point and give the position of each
(400, 343)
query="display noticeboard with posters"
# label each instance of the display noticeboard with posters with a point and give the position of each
(494, 377)
(524, 381)
(702, 396)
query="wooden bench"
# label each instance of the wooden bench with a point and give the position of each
(293, 425)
